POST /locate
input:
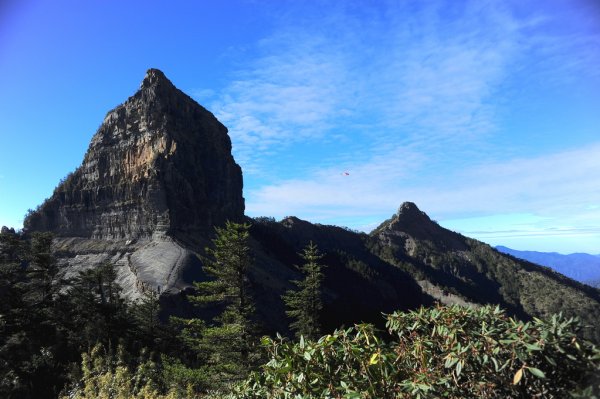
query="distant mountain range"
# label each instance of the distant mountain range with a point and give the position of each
(579, 266)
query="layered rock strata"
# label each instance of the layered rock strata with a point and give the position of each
(159, 169)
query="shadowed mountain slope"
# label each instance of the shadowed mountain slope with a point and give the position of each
(480, 274)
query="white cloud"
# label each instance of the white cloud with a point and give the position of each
(559, 183)
(560, 187)
(434, 82)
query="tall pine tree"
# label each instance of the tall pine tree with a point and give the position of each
(229, 341)
(304, 304)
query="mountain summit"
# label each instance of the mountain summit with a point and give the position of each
(410, 217)
(155, 77)
(410, 224)
(158, 172)
(159, 163)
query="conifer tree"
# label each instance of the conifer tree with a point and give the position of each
(97, 311)
(304, 304)
(229, 340)
(30, 343)
(146, 312)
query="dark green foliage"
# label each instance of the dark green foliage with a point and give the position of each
(145, 311)
(357, 284)
(479, 274)
(96, 311)
(227, 344)
(42, 270)
(45, 322)
(30, 342)
(305, 304)
(451, 352)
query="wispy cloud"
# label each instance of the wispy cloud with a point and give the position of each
(558, 183)
(404, 76)
(433, 83)
(292, 93)
(564, 39)
(563, 186)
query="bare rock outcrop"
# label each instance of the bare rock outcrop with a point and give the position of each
(159, 163)
(158, 171)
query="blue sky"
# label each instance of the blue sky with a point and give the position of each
(486, 114)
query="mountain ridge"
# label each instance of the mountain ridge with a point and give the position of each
(159, 176)
(579, 266)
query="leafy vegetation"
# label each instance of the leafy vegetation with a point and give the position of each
(108, 376)
(479, 274)
(47, 322)
(451, 352)
(229, 341)
(31, 342)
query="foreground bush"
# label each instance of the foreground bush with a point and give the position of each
(442, 352)
(109, 376)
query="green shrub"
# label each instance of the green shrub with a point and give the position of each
(441, 352)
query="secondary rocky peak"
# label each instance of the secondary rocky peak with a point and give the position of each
(409, 215)
(409, 219)
(160, 163)
(410, 209)
(410, 224)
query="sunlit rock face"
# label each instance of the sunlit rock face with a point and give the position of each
(158, 173)
(159, 164)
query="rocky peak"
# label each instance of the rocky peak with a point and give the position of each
(409, 218)
(410, 211)
(291, 221)
(410, 223)
(154, 78)
(160, 163)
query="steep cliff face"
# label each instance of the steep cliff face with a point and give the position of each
(159, 164)
(158, 173)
